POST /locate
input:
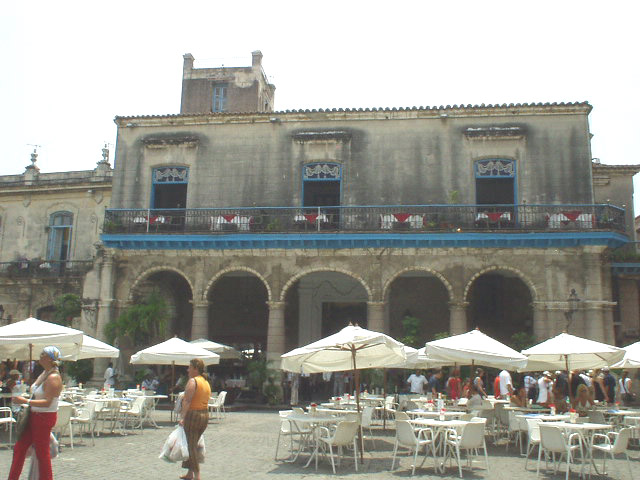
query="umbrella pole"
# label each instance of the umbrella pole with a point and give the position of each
(566, 362)
(356, 376)
(384, 398)
(30, 361)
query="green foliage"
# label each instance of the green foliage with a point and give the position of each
(522, 340)
(454, 197)
(411, 326)
(373, 377)
(67, 307)
(264, 379)
(81, 371)
(441, 335)
(141, 322)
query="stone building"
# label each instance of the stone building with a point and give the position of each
(49, 226)
(268, 229)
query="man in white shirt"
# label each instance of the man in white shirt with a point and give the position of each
(417, 382)
(544, 389)
(109, 377)
(506, 385)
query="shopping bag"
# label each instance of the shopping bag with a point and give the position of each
(200, 452)
(175, 448)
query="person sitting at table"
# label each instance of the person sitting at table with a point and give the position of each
(559, 400)
(150, 383)
(520, 398)
(583, 402)
(466, 388)
(475, 399)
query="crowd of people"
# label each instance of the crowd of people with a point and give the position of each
(577, 389)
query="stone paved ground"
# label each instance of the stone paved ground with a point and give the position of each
(242, 447)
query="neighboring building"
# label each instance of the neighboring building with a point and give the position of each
(49, 225)
(270, 229)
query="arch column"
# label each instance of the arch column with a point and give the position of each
(540, 327)
(200, 320)
(103, 316)
(376, 316)
(275, 331)
(458, 317)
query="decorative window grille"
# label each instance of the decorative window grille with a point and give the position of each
(495, 167)
(322, 171)
(171, 175)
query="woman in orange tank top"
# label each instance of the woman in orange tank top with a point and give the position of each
(194, 414)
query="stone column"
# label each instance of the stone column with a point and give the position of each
(594, 323)
(540, 328)
(375, 316)
(103, 316)
(275, 332)
(200, 320)
(458, 317)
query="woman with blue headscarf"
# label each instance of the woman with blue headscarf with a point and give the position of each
(44, 407)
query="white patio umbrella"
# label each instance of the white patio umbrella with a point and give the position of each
(631, 357)
(21, 339)
(225, 351)
(569, 352)
(94, 348)
(174, 351)
(352, 348)
(475, 348)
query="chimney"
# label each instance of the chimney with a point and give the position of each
(256, 59)
(187, 66)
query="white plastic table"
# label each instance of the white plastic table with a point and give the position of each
(439, 426)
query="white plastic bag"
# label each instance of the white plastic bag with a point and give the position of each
(175, 449)
(200, 452)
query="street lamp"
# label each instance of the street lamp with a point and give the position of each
(573, 302)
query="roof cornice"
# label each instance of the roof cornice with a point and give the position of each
(358, 114)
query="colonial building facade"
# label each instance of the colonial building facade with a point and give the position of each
(269, 229)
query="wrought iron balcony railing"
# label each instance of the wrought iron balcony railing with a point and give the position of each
(366, 219)
(45, 268)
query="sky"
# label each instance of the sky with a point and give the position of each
(70, 67)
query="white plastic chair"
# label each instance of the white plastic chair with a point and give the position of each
(596, 416)
(515, 429)
(135, 410)
(471, 439)
(533, 436)
(552, 440)
(86, 419)
(367, 422)
(402, 416)
(406, 437)
(618, 447)
(218, 405)
(344, 435)
(6, 419)
(63, 423)
(293, 431)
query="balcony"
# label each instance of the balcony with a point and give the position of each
(378, 219)
(347, 226)
(39, 268)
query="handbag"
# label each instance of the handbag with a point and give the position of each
(23, 421)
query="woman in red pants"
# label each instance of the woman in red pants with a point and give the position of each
(44, 406)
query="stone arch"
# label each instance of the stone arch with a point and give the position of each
(498, 268)
(308, 271)
(224, 271)
(141, 277)
(436, 274)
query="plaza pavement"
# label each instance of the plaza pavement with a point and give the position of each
(242, 446)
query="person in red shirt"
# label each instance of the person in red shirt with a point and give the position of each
(496, 387)
(454, 385)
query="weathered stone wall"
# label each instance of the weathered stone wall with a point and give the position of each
(388, 157)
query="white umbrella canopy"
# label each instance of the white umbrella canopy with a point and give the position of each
(476, 348)
(225, 351)
(631, 357)
(566, 351)
(174, 351)
(418, 359)
(352, 348)
(23, 340)
(94, 348)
